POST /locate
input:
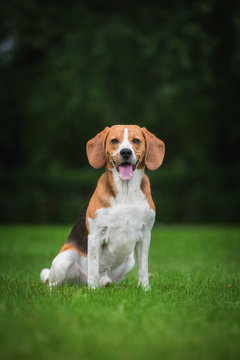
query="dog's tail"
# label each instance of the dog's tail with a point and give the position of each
(44, 276)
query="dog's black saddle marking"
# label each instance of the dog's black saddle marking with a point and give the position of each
(78, 236)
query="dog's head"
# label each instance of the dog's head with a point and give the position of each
(125, 148)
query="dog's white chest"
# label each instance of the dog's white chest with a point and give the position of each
(120, 227)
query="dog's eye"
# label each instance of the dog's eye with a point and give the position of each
(136, 141)
(114, 141)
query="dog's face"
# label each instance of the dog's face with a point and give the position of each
(125, 148)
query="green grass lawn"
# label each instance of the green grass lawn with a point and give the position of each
(191, 312)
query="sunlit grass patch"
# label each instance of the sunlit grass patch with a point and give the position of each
(191, 312)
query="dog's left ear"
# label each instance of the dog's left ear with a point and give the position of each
(95, 149)
(155, 150)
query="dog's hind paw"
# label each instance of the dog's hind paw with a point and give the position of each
(105, 280)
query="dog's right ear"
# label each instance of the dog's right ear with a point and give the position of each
(96, 149)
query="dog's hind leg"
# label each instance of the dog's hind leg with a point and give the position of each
(68, 266)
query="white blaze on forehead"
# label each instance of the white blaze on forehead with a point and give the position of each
(125, 144)
(125, 138)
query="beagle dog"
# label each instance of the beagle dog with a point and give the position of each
(120, 215)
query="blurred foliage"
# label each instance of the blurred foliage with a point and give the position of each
(70, 69)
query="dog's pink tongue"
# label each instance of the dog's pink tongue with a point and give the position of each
(126, 172)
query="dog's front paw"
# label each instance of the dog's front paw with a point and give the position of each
(92, 286)
(145, 286)
(105, 280)
(93, 283)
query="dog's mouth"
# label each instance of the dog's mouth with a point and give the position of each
(126, 169)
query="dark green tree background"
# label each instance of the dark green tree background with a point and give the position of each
(70, 69)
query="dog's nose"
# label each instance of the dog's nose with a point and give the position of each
(126, 153)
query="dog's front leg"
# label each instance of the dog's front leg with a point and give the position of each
(93, 261)
(142, 249)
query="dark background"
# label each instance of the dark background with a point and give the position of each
(68, 69)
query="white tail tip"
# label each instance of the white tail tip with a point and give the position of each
(44, 276)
